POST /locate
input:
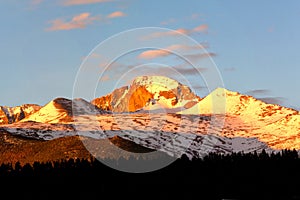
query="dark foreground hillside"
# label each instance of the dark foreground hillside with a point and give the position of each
(236, 176)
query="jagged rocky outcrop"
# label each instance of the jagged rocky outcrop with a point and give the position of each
(149, 93)
(9, 115)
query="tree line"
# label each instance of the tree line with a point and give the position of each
(233, 175)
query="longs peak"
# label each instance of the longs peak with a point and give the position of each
(148, 92)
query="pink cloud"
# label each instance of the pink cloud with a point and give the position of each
(201, 28)
(82, 2)
(105, 78)
(198, 29)
(194, 16)
(116, 14)
(167, 22)
(177, 47)
(151, 54)
(36, 2)
(77, 22)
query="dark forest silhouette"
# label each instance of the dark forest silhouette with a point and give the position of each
(221, 176)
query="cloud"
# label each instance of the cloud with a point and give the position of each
(151, 54)
(82, 2)
(259, 92)
(105, 78)
(273, 100)
(116, 14)
(169, 21)
(198, 56)
(229, 69)
(36, 2)
(194, 16)
(271, 29)
(262, 94)
(177, 47)
(77, 22)
(199, 87)
(295, 107)
(189, 71)
(92, 56)
(202, 28)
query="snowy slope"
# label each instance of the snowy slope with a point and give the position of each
(57, 111)
(222, 101)
(171, 133)
(245, 116)
(61, 110)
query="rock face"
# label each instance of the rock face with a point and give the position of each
(149, 93)
(9, 115)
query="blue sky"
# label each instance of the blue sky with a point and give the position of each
(254, 44)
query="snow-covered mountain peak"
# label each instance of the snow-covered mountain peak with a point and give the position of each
(58, 110)
(222, 101)
(62, 110)
(147, 93)
(156, 83)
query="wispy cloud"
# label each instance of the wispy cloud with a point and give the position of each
(82, 2)
(229, 69)
(271, 29)
(36, 2)
(264, 95)
(116, 14)
(199, 29)
(199, 87)
(151, 54)
(194, 16)
(91, 56)
(169, 21)
(259, 92)
(105, 78)
(273, 100)
(77, 22)
(198, 56)
(189, 71)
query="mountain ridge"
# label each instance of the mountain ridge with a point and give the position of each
(246, 123)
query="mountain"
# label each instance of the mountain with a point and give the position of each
(148, 93)
(222, 122)
(62, 110)
(245, 116)
(9, 115)
(223, 101)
